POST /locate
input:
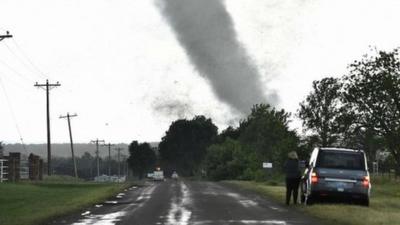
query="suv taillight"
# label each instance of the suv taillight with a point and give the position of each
(365, 181)
(314, 178)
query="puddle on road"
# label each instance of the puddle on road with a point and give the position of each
(85, 213)
(243, 201)
(146, 194)
(106, 219)
(248, 203)
(268, 222)
(178, 213)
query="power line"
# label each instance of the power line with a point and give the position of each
(109, 157)
(36, 69)
(2, 37)
(13, 116)
(15, 71)
(68, 116)
(15, 83)
(97, 153)
(21, 61)
(48, 88)
(119, 161)
(8, 35)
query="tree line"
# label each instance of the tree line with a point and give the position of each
(87, 166)
(359, 110)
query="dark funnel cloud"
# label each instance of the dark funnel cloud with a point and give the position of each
(205, 30)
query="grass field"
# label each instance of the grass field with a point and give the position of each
(384, 206)
(35, 203)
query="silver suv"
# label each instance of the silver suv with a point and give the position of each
(336, 173)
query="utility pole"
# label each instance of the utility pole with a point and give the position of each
(109, 157)
(8, 35)
(97, 154)
(68, 116)
(119, 162)
(48, 88)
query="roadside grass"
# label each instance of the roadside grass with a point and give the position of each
(384, 204)
(31, 203)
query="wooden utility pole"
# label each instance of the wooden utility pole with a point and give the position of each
(109, 157)
(48, 88)
(8, 35)
(68, 116)
(119, 162)
(97, 154)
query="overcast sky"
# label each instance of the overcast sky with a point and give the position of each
(130, 68)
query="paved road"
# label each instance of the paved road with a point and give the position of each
(187, 202)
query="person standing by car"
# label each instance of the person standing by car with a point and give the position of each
(293, 176)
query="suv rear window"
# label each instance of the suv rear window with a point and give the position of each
(341, 160)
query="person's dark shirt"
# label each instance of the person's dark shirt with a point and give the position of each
(292, 168)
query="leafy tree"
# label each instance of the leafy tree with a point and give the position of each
(263, 136)
(372, 94)
(365, 139)
(184, 145)
(86, 166)
(142, 158)
(62, 166)
(229, 132)
(227, 160)
(321, 111)
(266, 132)
(307, 145)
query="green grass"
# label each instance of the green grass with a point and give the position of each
(34, 203)
(384, 206)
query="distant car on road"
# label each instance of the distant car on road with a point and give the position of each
(158, 175)
(336, 173)
(174, 175)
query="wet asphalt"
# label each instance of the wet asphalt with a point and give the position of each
(187, 202)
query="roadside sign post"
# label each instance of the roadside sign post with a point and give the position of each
(267, 165)
(268, 168)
